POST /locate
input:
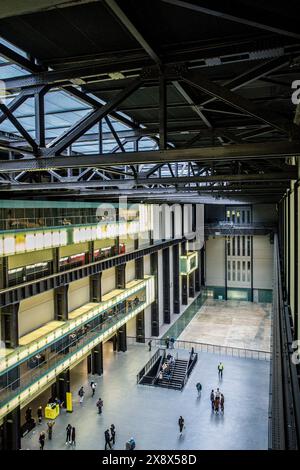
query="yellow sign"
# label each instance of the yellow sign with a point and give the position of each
(51, 413)
(69, 404)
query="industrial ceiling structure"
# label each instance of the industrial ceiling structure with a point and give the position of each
(154, 99)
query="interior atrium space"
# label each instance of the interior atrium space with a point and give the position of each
(149, 227)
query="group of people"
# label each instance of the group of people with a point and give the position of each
(110, 437)
(71, 435)
(217, 401)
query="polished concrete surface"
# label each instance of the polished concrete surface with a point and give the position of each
(233, 323)
(150, 414)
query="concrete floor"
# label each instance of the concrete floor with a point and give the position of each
(150, 414)
(231, 323)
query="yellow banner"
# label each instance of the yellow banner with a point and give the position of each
(69, 404)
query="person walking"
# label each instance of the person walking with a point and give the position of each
(42, 438)
(113, 434)
(93, 387)
(172, 341)
(81, 395)
(73, 436)
(212, 400)
(50, 425)
(69, 430)
(150, 344)
(107, 439)
(222, 399)
(199, 388)
(217, 404)
(40, 414)
(167, 342)
(181, 424)
(99, 405)
(220, 370)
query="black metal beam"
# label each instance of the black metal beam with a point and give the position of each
(239, 102)
(228, 152)
(221, 13)
(18, 59)
(79, 128)
(18, 126)
(125, 21)
(130, 183)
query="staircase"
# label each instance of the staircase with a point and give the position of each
(177, 376)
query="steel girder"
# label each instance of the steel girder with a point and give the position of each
(211, 154)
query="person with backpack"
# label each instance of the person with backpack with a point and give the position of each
(73, 436)
(181, 424)
(50, 425)
(212, 400)
(69, 430)
(40, 414)
(99, 405)
(81, 395)
(113, 434)
(199, 388)
(222, 399)
(107, 439)
(131, 443)
(93, 387)
(42, 438)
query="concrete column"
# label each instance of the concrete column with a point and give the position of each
(10, 431)
(55, 262)
(154, 305)
(61, 303)
(122, 339)
(10, 326)
(63, 386)
(192, 284)
(95, 287)
(121, 276)
(91, 255)
(140, 318)
(198, 274)
(3, 272)
(97, 359)
(176, 279)
(166, 285)
(184, 279)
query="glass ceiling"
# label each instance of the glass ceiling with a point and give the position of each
(61, 112)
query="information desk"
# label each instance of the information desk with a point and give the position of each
(51, 411)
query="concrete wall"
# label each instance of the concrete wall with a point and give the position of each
(29, 258)
(108, 281)
(78, 293)
(35, 312)
(130, 271)
(215, 261)
(264, 213)
(262, 262)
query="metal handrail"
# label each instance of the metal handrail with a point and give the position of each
(211, 348)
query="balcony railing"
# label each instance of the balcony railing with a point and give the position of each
(23, 353)
(54, 363)
(188, 263)
(209, 348)
(15, 241)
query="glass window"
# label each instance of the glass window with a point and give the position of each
(233, 246)
(238, 246)
(228, 270)
(248, 246)
(243, 245)
(233, 270)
